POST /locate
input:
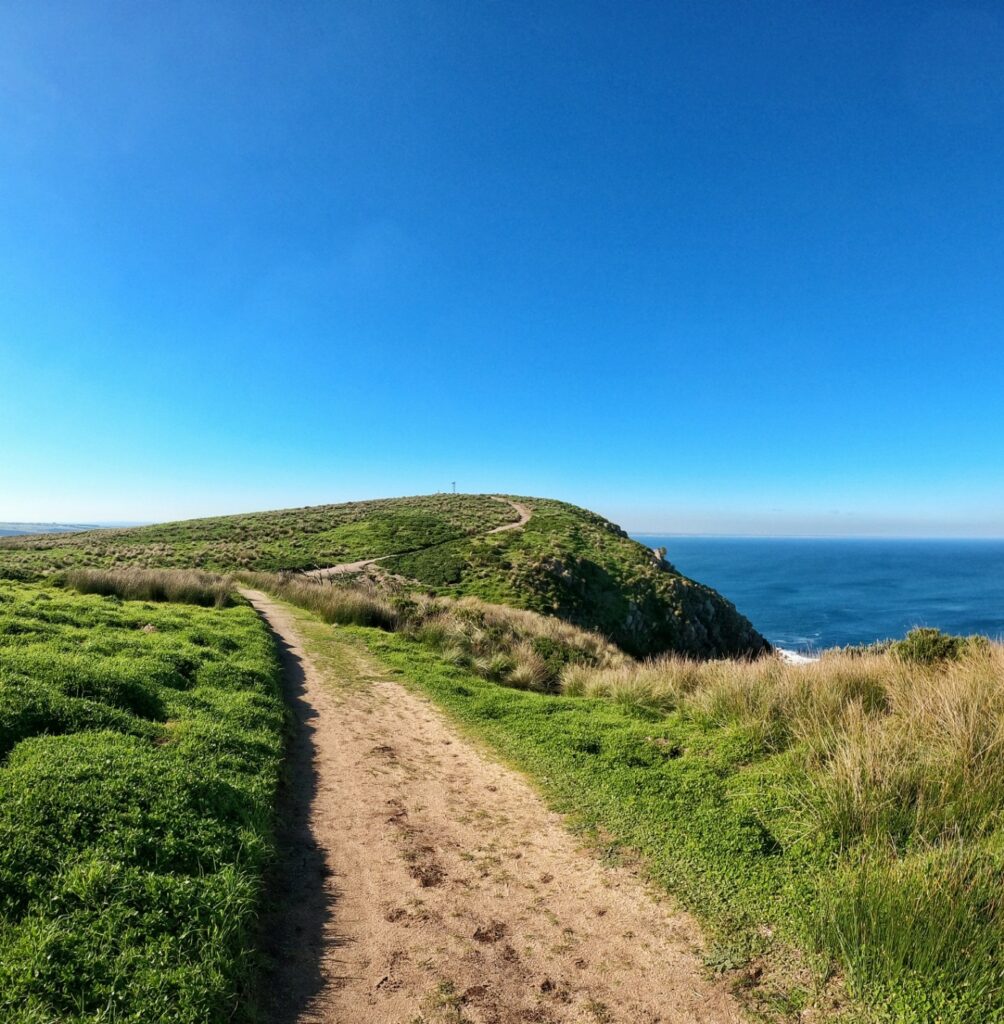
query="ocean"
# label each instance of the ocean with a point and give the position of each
(806, 595)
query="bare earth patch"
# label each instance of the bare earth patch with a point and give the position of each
(423, 882)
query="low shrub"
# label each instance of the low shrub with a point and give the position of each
(927, 646)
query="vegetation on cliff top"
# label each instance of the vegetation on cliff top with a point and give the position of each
(565, 561)
(296, 538)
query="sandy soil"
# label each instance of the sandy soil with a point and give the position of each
(422, 882)
(338, 570)
(524, 512)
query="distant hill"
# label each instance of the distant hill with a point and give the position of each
(20, 529)
(564, 561)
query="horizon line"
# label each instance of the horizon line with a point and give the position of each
(813, 536)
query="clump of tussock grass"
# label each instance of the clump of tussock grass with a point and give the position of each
(925, 930)
(928, 763)
(529, 671)
(891, 780)
(511, 646)
(653, 685)
(894, 748)
(188, 586)
(353, 605)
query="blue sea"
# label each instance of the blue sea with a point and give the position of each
(806, 595)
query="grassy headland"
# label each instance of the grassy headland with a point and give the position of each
(291, 539)
(565, 562)
(836, 825)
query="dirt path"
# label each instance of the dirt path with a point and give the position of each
(424, 883)
(523, 511)
(344, 567)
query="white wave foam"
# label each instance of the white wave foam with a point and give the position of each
(795, 657)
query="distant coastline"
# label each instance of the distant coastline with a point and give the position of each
(19, 529)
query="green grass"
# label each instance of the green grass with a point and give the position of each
(565, 562)
(140, 748)
(840, 824)
(300, 538)
(514, 646)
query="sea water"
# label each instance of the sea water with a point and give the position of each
(805, 595)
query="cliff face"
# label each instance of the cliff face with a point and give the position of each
(656, 613)
(570, 562)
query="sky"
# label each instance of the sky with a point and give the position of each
(704, 267)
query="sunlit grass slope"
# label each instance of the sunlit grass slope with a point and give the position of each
(297, 538)
(565, 561)
(140, 748)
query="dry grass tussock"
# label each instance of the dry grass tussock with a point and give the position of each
(189, 586)
(513, 646)
(895, 749)
(355, 605)
(507, 645)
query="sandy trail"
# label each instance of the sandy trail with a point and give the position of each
(424, 883)
(523, 511)
(344, 567)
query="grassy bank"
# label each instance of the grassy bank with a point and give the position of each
(189, 586)
(140, 747)
(519, 648)
(848, 810)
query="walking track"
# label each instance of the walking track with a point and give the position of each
(522, 511)
(423, 882)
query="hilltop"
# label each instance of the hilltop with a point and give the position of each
(533, 553)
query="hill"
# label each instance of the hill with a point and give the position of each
(563, 561)
(16, 529)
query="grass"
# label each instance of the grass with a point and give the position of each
(290, 539)
(513, 646)
(840, 820)
(186, 585)
(351, 605)
(140, 748)
(564, 562)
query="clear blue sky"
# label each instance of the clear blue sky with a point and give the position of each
(702, 266)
